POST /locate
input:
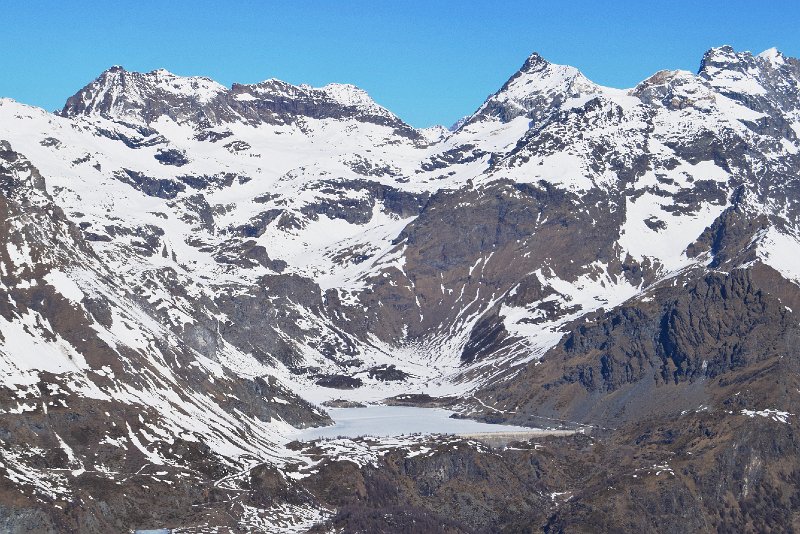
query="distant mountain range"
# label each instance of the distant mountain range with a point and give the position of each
(191, 272)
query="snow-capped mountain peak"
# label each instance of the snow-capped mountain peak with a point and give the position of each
(722, 57)
(143, 98)
(537, 75)
(766, 83)
(773, 55)
(534, 91)
(134, 96)
(339, 94)
(674, 89)
(533, 63)
(348, 94)
(725, 63)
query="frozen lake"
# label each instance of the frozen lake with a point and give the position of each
(386, 421)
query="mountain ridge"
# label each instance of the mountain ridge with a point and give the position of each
(714, 58)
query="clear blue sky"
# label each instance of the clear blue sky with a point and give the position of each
(430, 62)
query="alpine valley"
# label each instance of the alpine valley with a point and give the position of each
(191, 273)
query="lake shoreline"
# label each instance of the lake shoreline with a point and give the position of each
(393, 421)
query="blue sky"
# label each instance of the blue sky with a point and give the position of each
(430, 62)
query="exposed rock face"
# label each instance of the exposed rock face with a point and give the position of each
(189, 270)
(706, 471)
(86, 409)
(662, 356)
(145, 97)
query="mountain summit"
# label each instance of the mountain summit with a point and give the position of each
(534, 91)
(142, 98)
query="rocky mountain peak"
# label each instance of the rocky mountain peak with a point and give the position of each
(534, 91)
(346, 95)
(674, 89)
(138, 97)
(276, 101)
(721, 62)
(765, 83)
(723, 57)
(534, 63)
(773, 55)
(142, 98)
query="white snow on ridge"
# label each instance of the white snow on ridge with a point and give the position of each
(591, 291)
(350, 95)
(781, 251)
(776, 415)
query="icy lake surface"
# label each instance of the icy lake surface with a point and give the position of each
(386, 421)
